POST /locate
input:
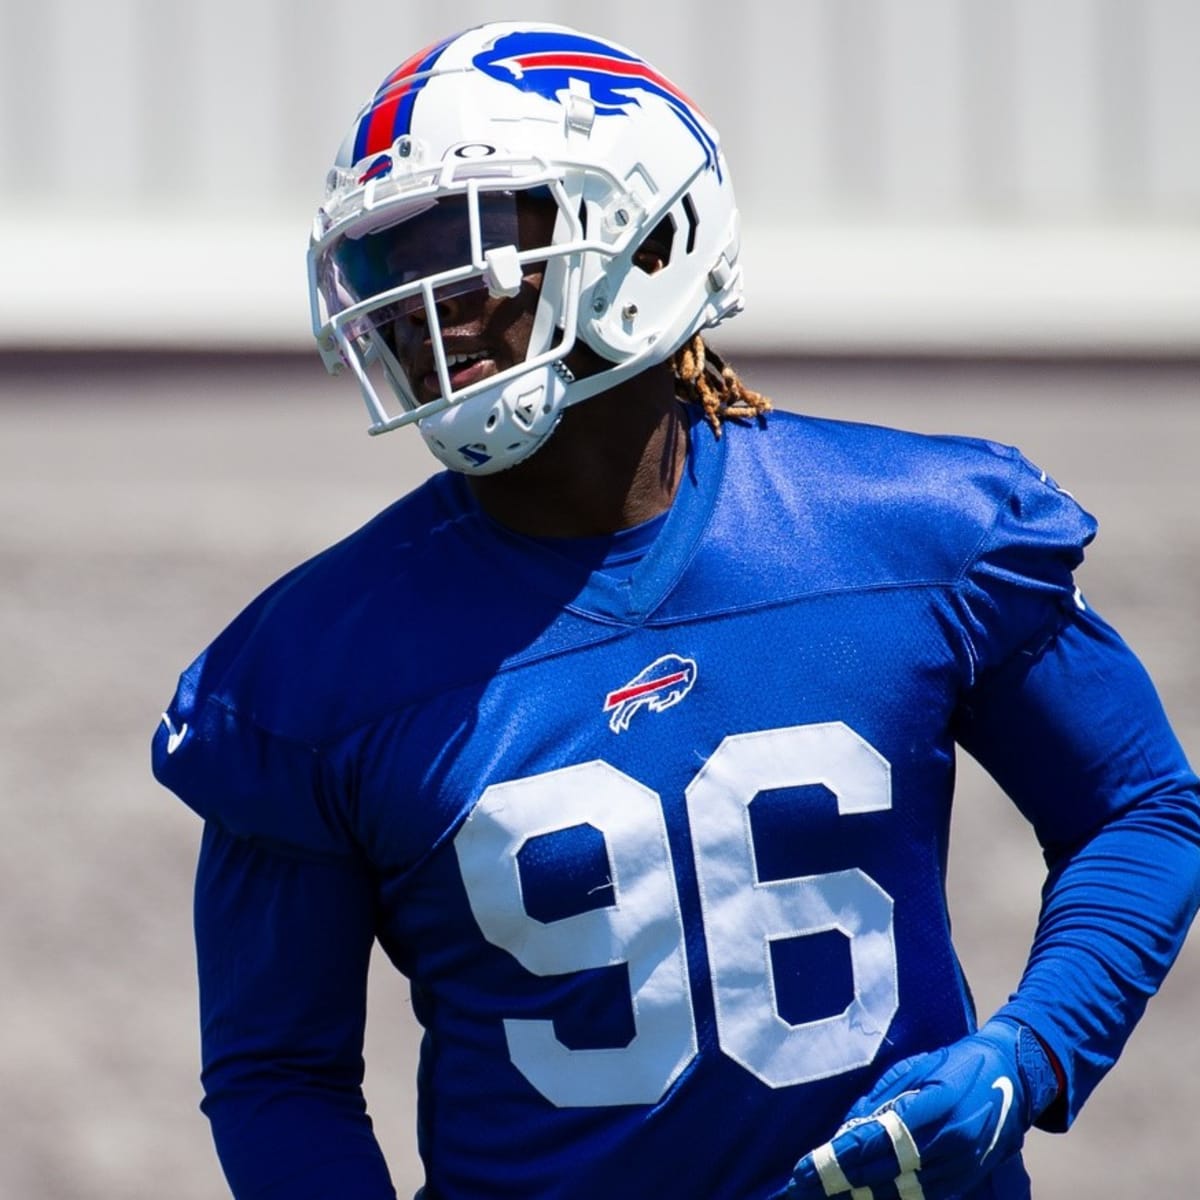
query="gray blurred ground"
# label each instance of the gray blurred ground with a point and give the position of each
(142, 503)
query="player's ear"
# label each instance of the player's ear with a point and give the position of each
(655, 251)
(646, 260)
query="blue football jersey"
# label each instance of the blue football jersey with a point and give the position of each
(662, 849)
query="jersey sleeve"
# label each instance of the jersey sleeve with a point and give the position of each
(1018, 586)
(283, 946)
(284, 924)
(1065, 718)
(231, 768)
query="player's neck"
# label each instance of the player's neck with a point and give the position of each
(614, 461)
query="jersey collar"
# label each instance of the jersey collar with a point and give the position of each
(624, 598)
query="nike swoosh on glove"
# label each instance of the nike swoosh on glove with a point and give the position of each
(935, 1124)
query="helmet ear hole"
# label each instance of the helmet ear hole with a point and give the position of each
(654, 253)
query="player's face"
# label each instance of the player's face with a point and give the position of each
(482, 334)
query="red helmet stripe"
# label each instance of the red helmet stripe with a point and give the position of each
(607, 64)
(377, 130)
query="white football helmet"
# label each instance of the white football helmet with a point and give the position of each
(503, 153)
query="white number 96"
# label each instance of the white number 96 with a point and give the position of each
(643, 926)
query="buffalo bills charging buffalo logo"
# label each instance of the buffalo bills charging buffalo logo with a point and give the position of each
(379, 168)
(663, 683)
(545, 63)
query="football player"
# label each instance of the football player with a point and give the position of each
(631, 735)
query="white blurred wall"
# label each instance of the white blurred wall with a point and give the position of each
(915, 175)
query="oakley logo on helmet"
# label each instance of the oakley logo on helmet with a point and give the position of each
(543, 62)
(663, 683)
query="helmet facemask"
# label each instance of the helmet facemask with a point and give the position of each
(397, 262)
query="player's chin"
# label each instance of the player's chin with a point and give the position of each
(583, 361)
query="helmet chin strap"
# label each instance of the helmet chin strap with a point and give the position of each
(500, 426)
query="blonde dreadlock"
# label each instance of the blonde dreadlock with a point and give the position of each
(706, 379)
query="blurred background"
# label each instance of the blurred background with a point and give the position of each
(936, 175)
(969, 216)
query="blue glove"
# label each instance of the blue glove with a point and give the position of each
(935, 1124)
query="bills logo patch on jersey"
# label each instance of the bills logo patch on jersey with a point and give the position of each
(663, 683)
(545, 63)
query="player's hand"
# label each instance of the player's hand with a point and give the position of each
(935, 1124)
